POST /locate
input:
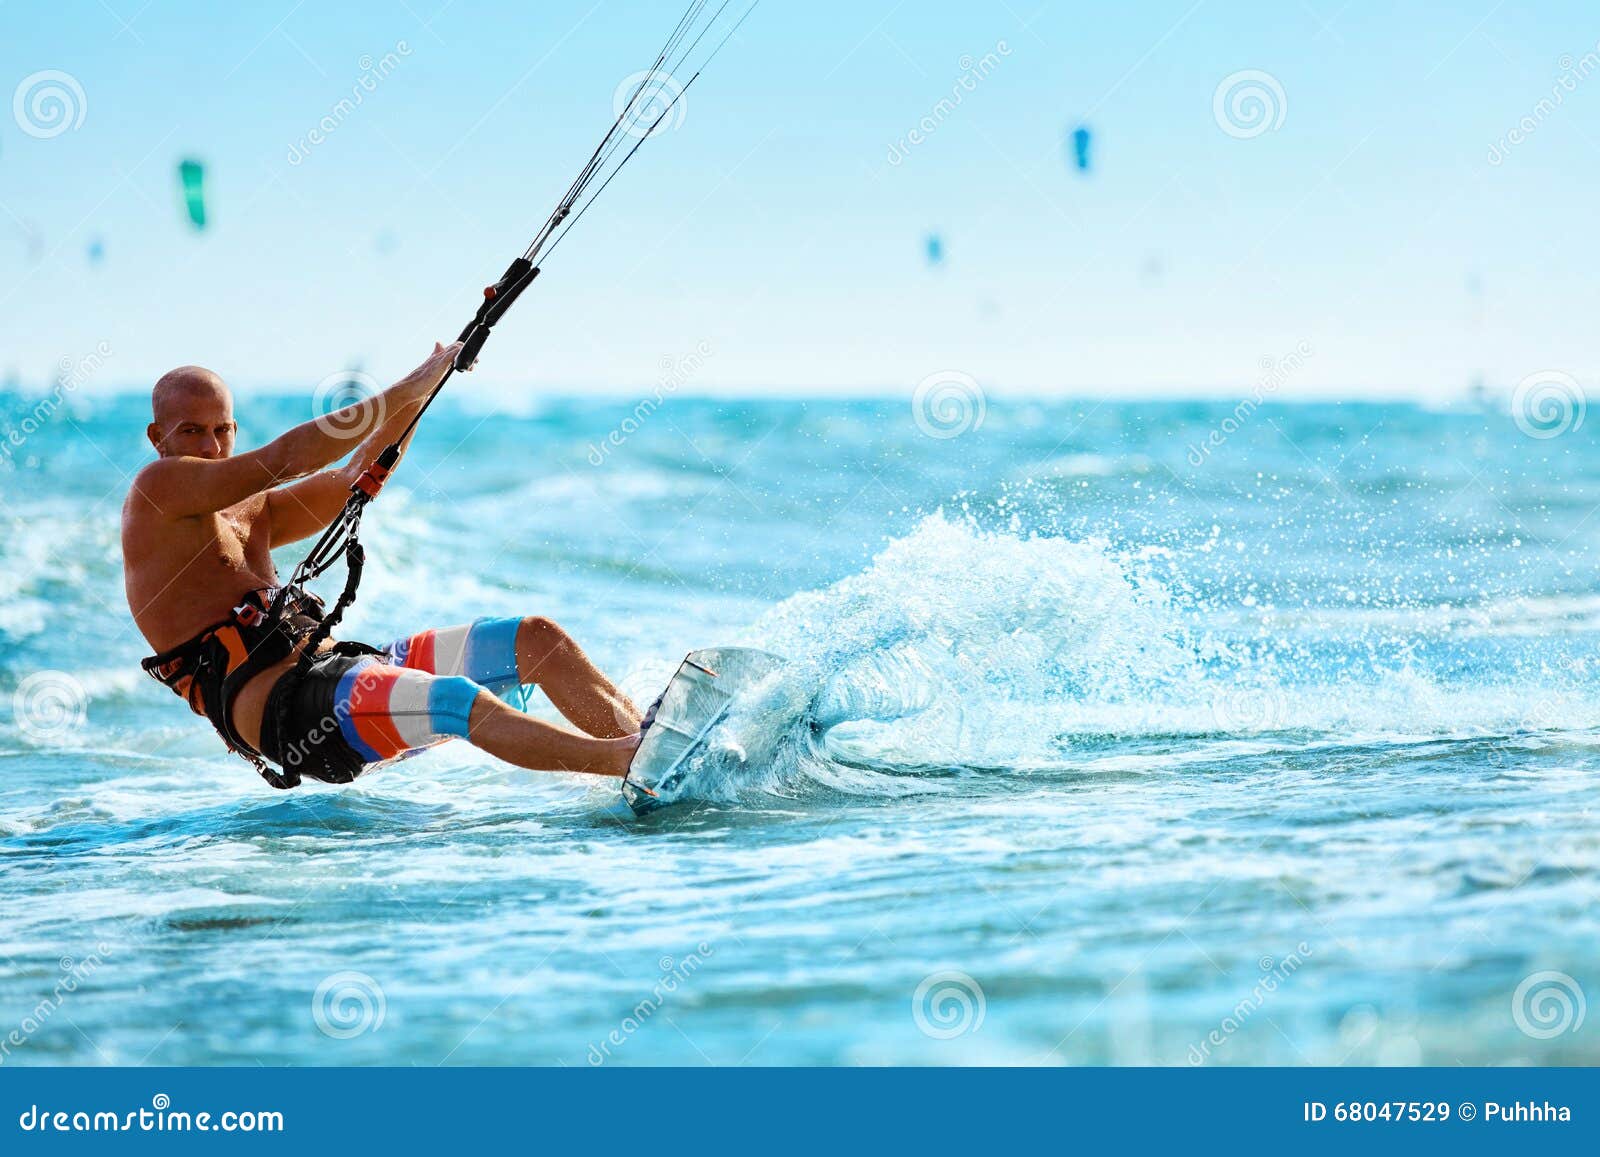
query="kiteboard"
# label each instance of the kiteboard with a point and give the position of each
(698, 698)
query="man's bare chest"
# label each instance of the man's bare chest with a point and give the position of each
(239, 536)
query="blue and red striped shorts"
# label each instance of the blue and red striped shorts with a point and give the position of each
(350, 712)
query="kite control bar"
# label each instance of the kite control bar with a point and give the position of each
(340, 538)
(497, 298)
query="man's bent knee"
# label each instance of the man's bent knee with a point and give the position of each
(536, 627)
(539, 640)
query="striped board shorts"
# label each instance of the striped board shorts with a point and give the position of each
(350, 712)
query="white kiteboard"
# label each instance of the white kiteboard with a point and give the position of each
(697, 699)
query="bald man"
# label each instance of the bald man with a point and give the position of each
(198, 530)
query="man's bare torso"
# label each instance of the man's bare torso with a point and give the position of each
(183, 575)
(200, 522)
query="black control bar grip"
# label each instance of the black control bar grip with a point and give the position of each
(497, 298)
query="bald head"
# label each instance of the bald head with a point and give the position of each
(180, 387)
(193, 412)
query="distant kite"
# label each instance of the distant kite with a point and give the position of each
(1080, 147)
(192, 174)
(935, 249)
(97, 250)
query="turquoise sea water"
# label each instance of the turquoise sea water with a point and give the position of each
(1102, 740)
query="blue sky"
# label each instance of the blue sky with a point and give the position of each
(1369, 226)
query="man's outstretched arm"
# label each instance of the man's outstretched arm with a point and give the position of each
(307, 507)
(181, 487)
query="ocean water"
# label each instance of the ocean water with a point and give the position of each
(1111, 733)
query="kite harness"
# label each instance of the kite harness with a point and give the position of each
(293, 618)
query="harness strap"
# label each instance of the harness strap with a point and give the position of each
(355, 560)
(210, 670)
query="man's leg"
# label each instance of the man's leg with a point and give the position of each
(501, 653)
(507, 733)
(547, 656)
(386, 711)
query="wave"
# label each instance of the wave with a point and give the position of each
(967, 651)
(961, 651)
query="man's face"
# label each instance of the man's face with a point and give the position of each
(195, 423)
